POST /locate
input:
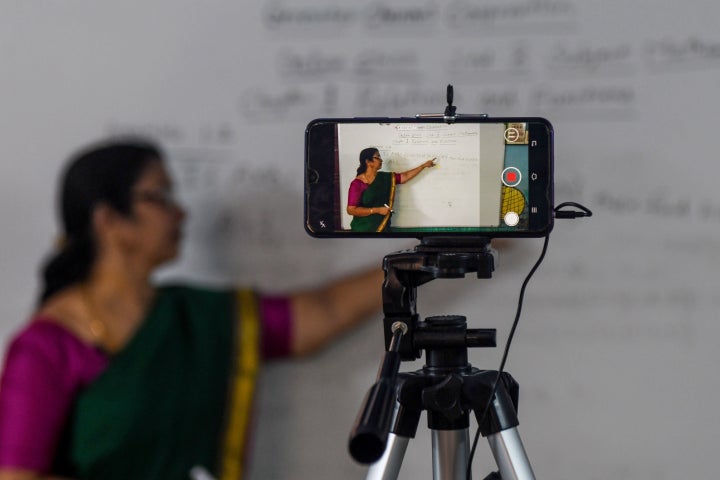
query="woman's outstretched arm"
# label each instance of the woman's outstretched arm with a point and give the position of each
(410, 174)
(321, 314)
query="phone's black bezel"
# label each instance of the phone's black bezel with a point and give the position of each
(318, 196)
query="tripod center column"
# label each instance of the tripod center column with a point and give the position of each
(444, 340)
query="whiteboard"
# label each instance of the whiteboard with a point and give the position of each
(619, 328)
(463, 189)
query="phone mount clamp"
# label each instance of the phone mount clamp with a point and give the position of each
(450, 115)
(447, 387)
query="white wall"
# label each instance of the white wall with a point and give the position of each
(616, 353)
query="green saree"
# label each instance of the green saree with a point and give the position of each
(379, 193)
(178, 397)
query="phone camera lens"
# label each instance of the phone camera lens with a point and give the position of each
(312, 176)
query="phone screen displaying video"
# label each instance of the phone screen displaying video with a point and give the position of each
(405, 178)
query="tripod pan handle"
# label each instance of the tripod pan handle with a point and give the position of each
(369, 435)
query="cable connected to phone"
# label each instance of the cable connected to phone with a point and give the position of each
(560, 213)
(511, 335)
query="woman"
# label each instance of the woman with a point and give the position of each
(115, 378)
(372, 193)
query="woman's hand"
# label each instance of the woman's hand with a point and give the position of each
(381, 210)
(430, 163)
(366, 211)
(16, 474)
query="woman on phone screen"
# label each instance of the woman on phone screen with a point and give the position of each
(372, 192)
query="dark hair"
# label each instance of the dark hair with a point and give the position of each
(366, 154)
(103, 173)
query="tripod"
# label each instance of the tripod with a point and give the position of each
(447, 387)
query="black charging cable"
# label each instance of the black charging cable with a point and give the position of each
(581, 211)
(560, 213)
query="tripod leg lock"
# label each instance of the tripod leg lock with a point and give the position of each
(502, 414)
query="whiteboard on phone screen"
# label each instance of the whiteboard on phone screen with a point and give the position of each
(460, 191)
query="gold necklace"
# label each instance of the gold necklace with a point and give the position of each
(369, 180)
(96, 326)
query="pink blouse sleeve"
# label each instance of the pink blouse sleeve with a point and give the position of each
(276, 317)
(398, 178)
(357, 187)
(44, 367)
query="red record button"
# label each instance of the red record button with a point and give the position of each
(511, 177)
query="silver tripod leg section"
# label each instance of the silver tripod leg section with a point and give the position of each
(450, 451)
(388, 467)
(510, 456)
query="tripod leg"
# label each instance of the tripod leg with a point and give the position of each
(510, 456)
(450, 451)
(388, 467)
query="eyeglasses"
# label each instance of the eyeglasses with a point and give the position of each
(377, 157)
(162, 197)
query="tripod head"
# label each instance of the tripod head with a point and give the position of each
(435, 257)
(446, 339)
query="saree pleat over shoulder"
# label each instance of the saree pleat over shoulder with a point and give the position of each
(177, 398)
(380, 192)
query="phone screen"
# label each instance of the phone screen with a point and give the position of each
(415, 178)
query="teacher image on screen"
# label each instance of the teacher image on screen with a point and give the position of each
(372, 192)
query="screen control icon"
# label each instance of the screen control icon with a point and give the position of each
(511, 177)
(511, 219)
(512, 135)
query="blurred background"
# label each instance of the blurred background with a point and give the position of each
(617, 349)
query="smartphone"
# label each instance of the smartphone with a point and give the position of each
(420, 177)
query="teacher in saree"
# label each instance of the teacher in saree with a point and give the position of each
(372, 192)
(116, 378)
